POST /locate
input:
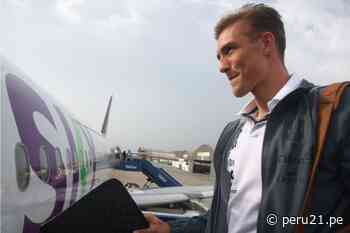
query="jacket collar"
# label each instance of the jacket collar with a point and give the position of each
(305, 85)
(291, 86)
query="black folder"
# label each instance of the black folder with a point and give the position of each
(108, 208)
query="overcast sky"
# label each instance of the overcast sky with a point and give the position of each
(158, 59)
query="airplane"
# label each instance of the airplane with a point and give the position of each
(50, 161)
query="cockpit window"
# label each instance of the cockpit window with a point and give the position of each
(22, 167)
(44, 167)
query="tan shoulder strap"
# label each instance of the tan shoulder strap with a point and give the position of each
(329, 100)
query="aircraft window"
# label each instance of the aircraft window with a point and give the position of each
(91, 161)
(87, 160)
(59, 161)
(22, 167)
(80, 158)
(70, 162)
(44, 168)
(84, 158)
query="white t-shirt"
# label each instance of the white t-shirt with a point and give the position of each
(244, 164)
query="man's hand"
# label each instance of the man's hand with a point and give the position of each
(155, 225)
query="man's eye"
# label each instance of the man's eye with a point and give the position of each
(228, 51)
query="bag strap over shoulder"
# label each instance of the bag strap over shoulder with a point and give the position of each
(330, 98)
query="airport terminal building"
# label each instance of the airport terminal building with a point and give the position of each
(197, 161)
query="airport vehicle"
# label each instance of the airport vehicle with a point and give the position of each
(49, 160)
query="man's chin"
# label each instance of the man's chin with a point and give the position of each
(238, 93)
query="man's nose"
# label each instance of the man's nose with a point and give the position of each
(223, 65)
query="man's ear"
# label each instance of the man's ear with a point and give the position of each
(268, 43)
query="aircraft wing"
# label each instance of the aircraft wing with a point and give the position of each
(168, 195)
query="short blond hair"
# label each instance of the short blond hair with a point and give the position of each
(262, 18)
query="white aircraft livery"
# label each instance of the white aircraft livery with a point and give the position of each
(48, 158)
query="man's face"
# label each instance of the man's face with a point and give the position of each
(241, 58)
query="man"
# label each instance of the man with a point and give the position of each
(263, 159)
